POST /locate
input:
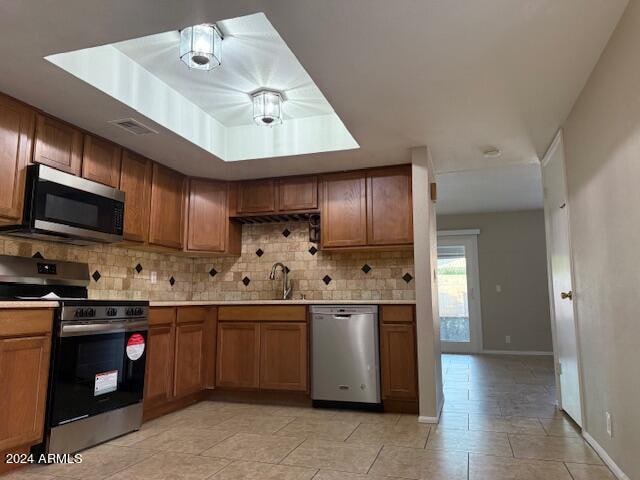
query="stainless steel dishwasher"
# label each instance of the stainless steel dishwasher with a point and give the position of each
(345, 358)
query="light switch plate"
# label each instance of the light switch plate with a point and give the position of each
(154, 277)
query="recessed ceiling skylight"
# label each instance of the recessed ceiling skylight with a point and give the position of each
(214, 109)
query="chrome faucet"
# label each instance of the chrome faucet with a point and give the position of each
(286, 285)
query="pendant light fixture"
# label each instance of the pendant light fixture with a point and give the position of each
(201, 47)
(267, 107)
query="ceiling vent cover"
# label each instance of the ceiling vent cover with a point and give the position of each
(133, 126)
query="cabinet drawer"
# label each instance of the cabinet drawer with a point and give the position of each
(258, 313)
(192, 314)
(162, 315)
(19, 322)
(397, 313)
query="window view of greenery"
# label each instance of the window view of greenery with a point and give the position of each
(453, 299)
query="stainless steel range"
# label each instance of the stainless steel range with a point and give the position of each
(98, 353)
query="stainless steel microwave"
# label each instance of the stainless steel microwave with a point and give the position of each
(65, 208)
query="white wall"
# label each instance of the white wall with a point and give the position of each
(425, 260)
(602, 142)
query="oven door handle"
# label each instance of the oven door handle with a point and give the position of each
(73, 330)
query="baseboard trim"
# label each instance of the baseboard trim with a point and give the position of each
(516, 352)
(436, 420)
(422, 419)
(617, 471)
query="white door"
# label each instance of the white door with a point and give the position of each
(459, 294)
(561, 286)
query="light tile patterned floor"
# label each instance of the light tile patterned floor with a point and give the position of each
(499, 423)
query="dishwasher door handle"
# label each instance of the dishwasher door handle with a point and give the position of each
(341, 316)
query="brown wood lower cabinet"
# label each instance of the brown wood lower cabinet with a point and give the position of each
(158, 384)
(283, 356)
(178, 356)
(398, 360)
(25, 344)
(262, 355)
(189, 369)
(238, 355)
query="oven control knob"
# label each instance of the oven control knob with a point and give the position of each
(112, 312)
(138, 311)
(128, 312)
(78, 313)
(90, 312)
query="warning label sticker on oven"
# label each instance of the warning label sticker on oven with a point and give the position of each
(106, 382)
(135, 346)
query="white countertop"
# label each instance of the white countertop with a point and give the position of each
(28, 304)
(178, 303)
(187, 303)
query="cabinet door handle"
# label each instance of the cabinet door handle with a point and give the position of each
(566, 295)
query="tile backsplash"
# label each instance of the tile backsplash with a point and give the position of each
(115, 269)
(317, 274)
(119, 272)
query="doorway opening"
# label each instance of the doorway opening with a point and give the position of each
(459, 294)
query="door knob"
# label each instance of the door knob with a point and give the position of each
(565, 295)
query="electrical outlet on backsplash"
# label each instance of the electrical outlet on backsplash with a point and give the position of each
(119, 272)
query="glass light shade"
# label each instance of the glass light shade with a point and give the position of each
(267, 108)
(201, 47)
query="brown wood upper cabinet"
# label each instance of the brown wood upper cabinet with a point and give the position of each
(25, 344)
(135, 182)
(344, 210)
(209, 228)
(367, 208)
(16, 137)
(57, 145)
(101, 161)
(167, 207)
(297, 194)
(277, 195)
(389, 206)
(257, 196)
